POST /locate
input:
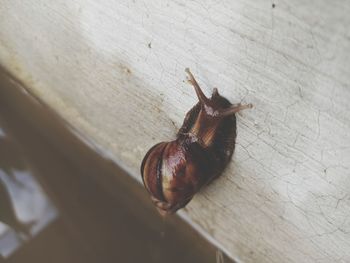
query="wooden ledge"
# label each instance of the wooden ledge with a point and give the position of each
(115, 72)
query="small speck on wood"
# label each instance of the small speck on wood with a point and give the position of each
(273, 5)
(149, 45)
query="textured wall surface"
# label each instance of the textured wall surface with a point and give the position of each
(115, 71)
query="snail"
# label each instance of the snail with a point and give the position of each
(173, 172)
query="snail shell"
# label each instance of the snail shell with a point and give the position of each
(173, 172)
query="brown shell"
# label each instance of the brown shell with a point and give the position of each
(173, 172)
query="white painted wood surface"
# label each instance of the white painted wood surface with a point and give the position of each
(115, 71)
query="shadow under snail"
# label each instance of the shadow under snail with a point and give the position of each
(173, 172)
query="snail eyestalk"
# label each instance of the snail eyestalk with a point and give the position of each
(201, 97)
(234, 109)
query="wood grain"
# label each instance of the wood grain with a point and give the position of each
(115, 71)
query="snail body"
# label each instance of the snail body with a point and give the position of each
(173, 172)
